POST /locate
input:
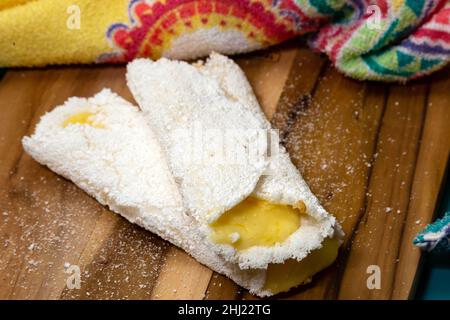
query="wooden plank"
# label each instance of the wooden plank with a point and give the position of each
(380, 226)
(430, 169)
(327, 144)
(267, 72)
(125, 266)
(298, 89)
(182, 278)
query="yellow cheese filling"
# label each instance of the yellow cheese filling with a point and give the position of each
(281, 277)
(83, 118)
(257, 222)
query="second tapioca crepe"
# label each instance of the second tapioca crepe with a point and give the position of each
(257, 213)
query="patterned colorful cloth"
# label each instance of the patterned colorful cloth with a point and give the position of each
(436, 236)
(390, 40)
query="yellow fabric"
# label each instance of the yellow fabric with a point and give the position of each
(12, 3)
(20, 47)
(36, 32)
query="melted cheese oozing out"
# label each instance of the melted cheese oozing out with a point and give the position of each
(256, 222)
(84, 118)
(284, 276)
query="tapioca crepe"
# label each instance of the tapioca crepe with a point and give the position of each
(254, 220)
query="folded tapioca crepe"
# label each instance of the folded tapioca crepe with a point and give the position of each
(262, 228)
(283, 183)
(279, 219)
(106, 147)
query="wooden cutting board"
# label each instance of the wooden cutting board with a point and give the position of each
(375, 155)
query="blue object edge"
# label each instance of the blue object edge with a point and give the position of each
(433, 278)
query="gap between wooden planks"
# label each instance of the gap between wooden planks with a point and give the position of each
(374, 154)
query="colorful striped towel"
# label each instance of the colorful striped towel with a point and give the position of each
(390, 40)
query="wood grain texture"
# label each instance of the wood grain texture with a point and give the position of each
(375, 155)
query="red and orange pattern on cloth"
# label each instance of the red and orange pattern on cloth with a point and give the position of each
(390, 40)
